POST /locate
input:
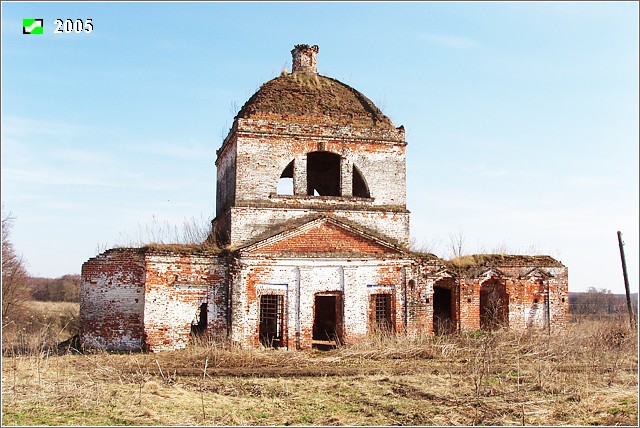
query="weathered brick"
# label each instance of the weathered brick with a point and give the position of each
(341, 253)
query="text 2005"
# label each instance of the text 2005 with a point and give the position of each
(73, 25)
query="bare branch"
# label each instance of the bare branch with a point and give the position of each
(15, 277)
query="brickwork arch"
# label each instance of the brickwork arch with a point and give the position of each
(325, 173)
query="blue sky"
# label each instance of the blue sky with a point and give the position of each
(521, 118)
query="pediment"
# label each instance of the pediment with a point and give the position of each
(443, 273)
(323, 237)
(491, 273)
(536, 273)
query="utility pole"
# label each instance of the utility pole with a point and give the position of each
(626, 280)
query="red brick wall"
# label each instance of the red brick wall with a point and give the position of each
(176, 285)
(112, 300)
(325, 238)
(146, 299)
(131, 299)
(526, 287)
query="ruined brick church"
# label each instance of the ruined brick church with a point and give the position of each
(309, 246)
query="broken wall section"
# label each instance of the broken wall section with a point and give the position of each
(185, 294)
(152, 299)
(112, 300)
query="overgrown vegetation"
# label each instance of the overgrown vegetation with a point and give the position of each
(37, 313)
(585, 376)
(193, 233)
(63, 289)
(43, 327)
(14, 276)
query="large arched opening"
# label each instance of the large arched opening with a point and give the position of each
(323, 174)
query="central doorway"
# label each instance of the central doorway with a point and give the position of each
(327, 321)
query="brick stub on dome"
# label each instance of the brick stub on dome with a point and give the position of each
(305, 58)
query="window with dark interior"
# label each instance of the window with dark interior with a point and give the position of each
(323, 174)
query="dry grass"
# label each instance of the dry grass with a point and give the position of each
(587, 376)
(192, 234)
(476, 260)
(40, 326)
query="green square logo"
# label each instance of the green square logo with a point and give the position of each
(33, 26)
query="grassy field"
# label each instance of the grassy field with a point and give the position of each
(586, 376)
(38, 325)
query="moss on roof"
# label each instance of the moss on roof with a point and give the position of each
(427, 257)
(182, 248)
(310, 97)
(203, 249)
(488, 260)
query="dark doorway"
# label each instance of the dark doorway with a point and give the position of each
(494, 305)
(199, 326)
(442, 312)
(382, 319)
(326, 321)
(323, 174)
(271, 317)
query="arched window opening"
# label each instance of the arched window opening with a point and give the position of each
(360, 188)
(285, 184)
(323, 174)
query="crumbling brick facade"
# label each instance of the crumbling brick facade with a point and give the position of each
(320, 263)
(151, 299)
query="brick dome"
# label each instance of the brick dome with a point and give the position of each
(308, 97)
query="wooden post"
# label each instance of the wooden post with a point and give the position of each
(626, 280)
